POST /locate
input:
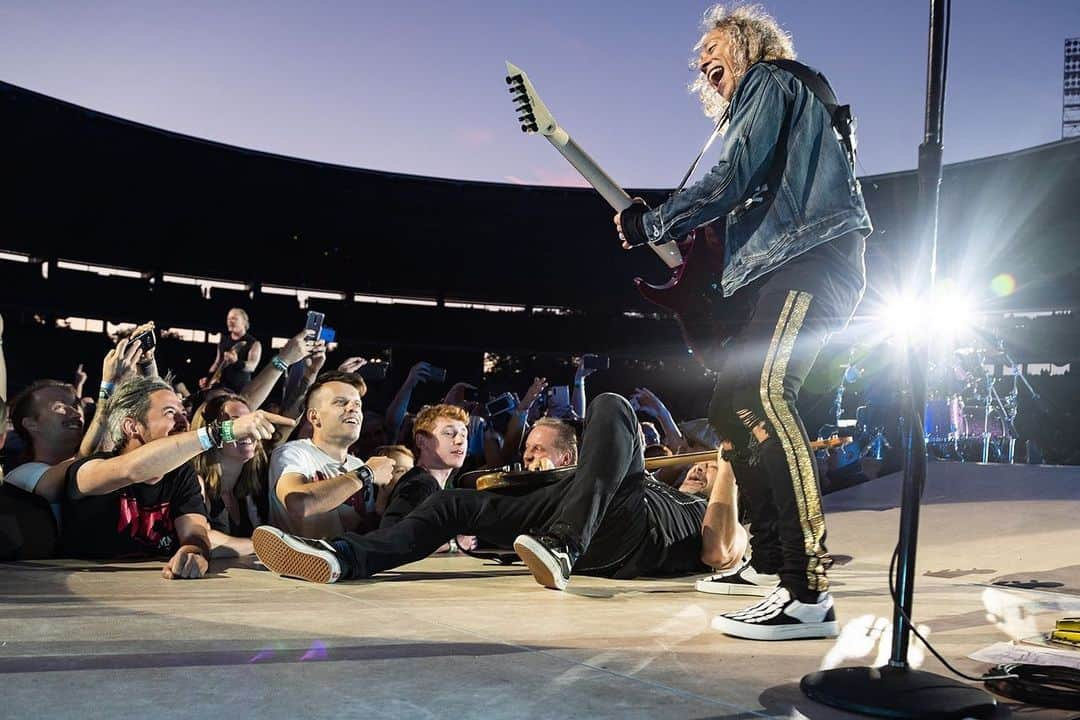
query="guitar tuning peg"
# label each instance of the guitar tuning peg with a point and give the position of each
(525, 128)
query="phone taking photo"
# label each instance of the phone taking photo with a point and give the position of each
(501, 404)
(314, 325)
(146, 339)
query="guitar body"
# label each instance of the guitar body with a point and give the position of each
(707, 319)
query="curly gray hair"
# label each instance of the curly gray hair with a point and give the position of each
(753, 35)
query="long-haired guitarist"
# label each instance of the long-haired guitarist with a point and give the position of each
(783, 205)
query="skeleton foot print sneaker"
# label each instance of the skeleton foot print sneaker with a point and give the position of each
(549, 559)
(296, 557)
(742, 580)
(781, 617)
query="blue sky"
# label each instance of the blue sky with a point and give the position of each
(416, 87)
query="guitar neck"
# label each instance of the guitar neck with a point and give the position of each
(615, 196)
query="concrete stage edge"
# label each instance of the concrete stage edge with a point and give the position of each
(453, 637)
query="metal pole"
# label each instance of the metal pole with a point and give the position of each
(918, 353)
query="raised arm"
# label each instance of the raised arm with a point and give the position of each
(577, 392)
(119, 363)
(253, 357)
(645, 399)
(262, 384)
(395, 412)
(723, 538)
(152, 460)
(515, 429)
(3, 364)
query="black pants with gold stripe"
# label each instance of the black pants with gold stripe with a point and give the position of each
(763, 368)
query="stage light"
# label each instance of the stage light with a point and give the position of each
(1003, 285)
(902, 317)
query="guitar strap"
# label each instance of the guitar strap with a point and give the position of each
(843, 121)
(708, 143)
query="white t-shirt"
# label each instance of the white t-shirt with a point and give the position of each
(26, 477)
(305, 458)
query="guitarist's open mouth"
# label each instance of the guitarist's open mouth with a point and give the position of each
(715, 75)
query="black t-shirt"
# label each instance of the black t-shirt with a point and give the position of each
(223, 522)
(413, 488)
(137, 520)
(235, 376)
(676, 518)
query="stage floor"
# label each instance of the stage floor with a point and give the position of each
(453, 637)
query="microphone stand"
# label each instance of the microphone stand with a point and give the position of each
(896, 690)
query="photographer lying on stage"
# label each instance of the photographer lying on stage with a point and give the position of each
(608, 519)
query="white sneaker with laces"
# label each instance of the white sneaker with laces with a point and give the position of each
(781, 617)
(741, 580)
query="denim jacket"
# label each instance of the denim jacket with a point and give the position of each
(783, 184)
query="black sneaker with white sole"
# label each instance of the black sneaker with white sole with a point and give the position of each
(742, 580)
(297, 557)
(548, 557)
(781, 617)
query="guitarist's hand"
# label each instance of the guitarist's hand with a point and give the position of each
(630, 226)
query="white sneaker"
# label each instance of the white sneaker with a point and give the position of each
(781, 617)
(742, 580)
(292, 556)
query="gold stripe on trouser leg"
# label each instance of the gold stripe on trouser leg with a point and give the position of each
(799, 460)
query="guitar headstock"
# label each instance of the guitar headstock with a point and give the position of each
(532, 113)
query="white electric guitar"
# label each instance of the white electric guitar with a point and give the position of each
(536, 118)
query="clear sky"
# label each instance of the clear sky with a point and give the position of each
(416, 86)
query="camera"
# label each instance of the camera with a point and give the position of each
(146, 339)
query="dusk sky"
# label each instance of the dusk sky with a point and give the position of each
(417, 86)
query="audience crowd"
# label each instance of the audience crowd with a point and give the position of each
(144, 468)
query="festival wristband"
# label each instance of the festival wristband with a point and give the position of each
(204, 438)
(280, 364)
(227, 432)
(107, 389)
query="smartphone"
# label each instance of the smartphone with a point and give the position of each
(374, 371)
(558, 397)
(437, 374)
(502, 404)
(596, 362)
(327, 333)
(314, 324)
(146, 339)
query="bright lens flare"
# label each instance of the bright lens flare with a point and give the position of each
(1003, 285)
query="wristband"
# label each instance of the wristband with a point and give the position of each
(227, 433)
(280, 364)
(107, 389)
(633, 225)
(204, 438)
(213, 431)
